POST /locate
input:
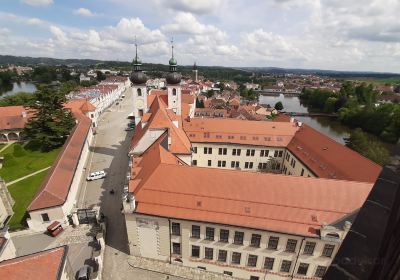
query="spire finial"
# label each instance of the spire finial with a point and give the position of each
(136, 47)
(172, 46)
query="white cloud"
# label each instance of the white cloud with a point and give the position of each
(22, 20)
(38, 2)
(84, 12)
(197, 7)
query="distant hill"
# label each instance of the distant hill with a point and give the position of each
(331, 73)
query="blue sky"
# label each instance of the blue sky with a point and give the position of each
(324, 34)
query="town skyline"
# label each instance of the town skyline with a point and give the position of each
(285, 34)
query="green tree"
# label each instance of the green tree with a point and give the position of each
(44, 74)
(100, 76)
(199, 103)
(278, 106)
(51, 122)
(21, 98)
(368, 147)
(329, 106)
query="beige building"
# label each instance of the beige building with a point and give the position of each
(6, 204)
(191, 203)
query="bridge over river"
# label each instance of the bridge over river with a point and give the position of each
(303, 114)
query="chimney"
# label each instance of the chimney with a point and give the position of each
(23, 114)
(291, 119)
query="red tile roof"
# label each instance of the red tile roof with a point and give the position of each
(55, 188)
(327, 158)
(38, 266)
(256, 200)
(11, 117)
(211, 130)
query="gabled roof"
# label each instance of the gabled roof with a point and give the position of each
(13, 117)
(294, 205)
(327, 158)
(38, 266)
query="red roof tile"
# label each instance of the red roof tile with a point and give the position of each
(12, 117)
(38, 266)
(327, 158)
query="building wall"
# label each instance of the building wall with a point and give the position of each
(293, 166)
(36, 223)
(6, 203)
(202, 158)
(163, 233)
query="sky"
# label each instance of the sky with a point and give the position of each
(356, 35)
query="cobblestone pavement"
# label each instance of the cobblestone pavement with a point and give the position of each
(117, 267)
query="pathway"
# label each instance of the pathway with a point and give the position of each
(27, 176)
(6, 146)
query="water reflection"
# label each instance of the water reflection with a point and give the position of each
(325, 125)
(7, 90)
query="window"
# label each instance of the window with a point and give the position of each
(194, 150)
(285, 266)
(195, 251)
(195, 231)
(209, 162)
(207, 151)
(276, 154)
(221, 163)
(287, 157)
(223, 235)
(291, 245)
(252, 261)
(273, 243)
(176, 248)
(264, 153)
(254, 278)
(194, 162)
(320, 272)
(202, 268)
(236, 152)
(236, 257)
(302, 172)
(234, 164)
(222, 255)
(222, 151)
(174, 91)
(210, 233)
(302, 269)
(238, 239)
(250, 152)
(328, 250)
(248, 165)
(280, 154)
(176, 229)
(139, 92)
(45, 217)
(309, 248)
(255, 240)
(229, 273)
(208, 253)
(269, 263)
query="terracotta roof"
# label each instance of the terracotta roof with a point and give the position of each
(82, 105)
(187, 98)
(11, 117)
(328, 159)
(38, 266)
(289, 204)
(55, 188)
(239, 131)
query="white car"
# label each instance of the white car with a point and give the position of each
(96, 175)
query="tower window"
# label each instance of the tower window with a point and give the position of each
(174, 91)
(139, 92)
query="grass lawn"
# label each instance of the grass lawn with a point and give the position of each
(23, 193)
(21, 162)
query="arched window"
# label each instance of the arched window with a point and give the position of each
(174, 91)
(139, 92)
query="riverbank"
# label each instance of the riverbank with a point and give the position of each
(17, 87)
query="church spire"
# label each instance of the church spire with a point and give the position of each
(137, 63)
(172, 62)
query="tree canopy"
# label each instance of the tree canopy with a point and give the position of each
(51, 123)
(278, 106)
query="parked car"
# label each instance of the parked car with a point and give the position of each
(84, 273)
(131, 124)
(123, 96)
(96, 175)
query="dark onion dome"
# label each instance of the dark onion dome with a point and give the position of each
(138, 77)
(174, 78)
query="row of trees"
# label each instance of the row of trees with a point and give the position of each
(248, 94)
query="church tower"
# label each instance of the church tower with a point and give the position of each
(195, 73)
(174, 86)
(139, 90)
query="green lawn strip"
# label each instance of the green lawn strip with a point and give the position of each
(23, 193)
(26, 163)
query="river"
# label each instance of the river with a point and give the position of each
(18, 87)
(327, 125)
